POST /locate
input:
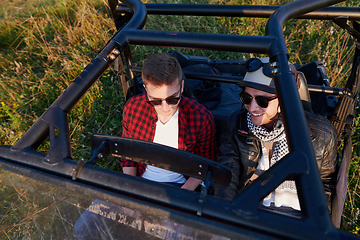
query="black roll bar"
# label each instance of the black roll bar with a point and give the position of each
(216, 42)
(296, 129)
(260, 11)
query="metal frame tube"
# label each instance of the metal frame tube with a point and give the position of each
(260, 11)
(219, 42)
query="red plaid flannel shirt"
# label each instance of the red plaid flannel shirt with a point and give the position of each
(196, 127)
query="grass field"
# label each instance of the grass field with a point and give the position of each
(44, 46)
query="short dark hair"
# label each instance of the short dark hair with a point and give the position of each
(160, 69)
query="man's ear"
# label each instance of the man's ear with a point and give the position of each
(182, 86)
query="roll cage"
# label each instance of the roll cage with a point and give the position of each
(239, 218)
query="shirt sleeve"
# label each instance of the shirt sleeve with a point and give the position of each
(207, 139)
(126, 133)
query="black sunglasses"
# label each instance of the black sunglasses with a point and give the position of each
(169, 100)
(254, 64)
(262, 101)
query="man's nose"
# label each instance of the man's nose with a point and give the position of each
(253, 105)
(164, 104)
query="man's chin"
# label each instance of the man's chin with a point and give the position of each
(256, 121)
(166, 113)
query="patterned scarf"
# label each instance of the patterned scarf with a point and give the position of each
(285, 194)
(277, 135)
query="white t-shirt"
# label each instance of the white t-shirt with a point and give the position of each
(166, 134)
(285, 194)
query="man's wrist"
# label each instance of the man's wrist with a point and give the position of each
(129, 170)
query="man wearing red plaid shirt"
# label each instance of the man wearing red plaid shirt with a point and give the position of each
(162, 115)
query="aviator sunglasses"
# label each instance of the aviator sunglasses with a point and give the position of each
(262, 101)
(169, 100)
(254, 64)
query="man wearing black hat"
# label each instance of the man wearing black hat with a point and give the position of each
(254, 139)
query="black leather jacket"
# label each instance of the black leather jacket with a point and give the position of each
(241, 151)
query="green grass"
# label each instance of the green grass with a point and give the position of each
(44, 46)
